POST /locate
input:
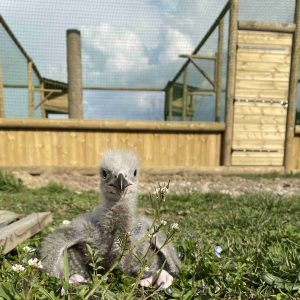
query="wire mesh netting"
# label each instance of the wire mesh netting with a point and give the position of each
(124, 44)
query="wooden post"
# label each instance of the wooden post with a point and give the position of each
(291, 113)
(42, 93)
(185, 93)
(170, 100)
(231, 72)
(74, 74)
(2, 114)
(218, 70)
(30, 90)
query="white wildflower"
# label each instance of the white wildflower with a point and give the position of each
(17, 268)
(164, 190)
(163, 222)
(218, 250)
(147, 269)
(175, 226)
(28, 249)
(35, 263)
(66, 222)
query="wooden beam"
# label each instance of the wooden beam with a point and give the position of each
(7, 217)
(123, 88)
(198, 56)
(291, 112)
(170, 99)
(266, 26)
(30, 90)
(218, 71)
(297, 130)
(126, 126)
(231, 76)
(18, 232)
(203, 72)
(2, 110)
(185, 93)
(200, 93)
(19, 46)
(74, 67)
(42, 93)
(206, 37)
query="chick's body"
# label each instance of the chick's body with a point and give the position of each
(114, 219)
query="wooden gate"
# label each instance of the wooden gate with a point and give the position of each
(261, 98)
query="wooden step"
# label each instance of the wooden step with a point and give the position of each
(20, 230)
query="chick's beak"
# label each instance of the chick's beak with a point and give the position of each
(121, 183)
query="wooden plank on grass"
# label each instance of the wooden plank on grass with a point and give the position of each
(17, 232)
(7, 217)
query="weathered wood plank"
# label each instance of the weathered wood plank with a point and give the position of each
(258, 127)
(258, 144)
(262, 85)
(263, 66)
(264, 38)
(261, 94)
(6, 217)
(262, 75)
(257, 56)
(18, 232)
(259, 119)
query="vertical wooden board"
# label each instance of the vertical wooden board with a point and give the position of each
(180, 156)
(11, 147)
(140, 148)
(148, 149)
(187, 150)
(156, 148)
(19, 148)
(29, 149)
(173, 149)
(65, 155)
(81, 141)
(47, 146)
(54, 148)
(3, 151)
(99, 144)
(164, 159)
(90, 151)
(296, 152)
(38, 148)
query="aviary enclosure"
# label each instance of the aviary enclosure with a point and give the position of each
(249, 68)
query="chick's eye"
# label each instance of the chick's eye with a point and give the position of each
(135, 173)
(104, 173)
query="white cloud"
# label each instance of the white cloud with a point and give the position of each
(176, 43)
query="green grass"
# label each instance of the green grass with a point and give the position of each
(259, 235)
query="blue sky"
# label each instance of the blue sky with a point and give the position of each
(124, 43)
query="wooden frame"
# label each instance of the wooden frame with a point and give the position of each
(231, 69)
(291, 113)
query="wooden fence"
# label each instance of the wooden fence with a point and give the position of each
(161, 146)
(79, 143)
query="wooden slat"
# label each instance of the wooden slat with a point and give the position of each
(264, 38)
(261, 85)
(256, 161)
(261, 94)
(259, 119)
(262, 75)
(259, 56)
(258, 128)
(258, 144)
(19, 231)
(242, 135)
(7, 217)
(263, 66)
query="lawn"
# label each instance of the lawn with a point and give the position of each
(259, 235)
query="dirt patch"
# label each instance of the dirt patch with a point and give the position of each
(232, 185)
